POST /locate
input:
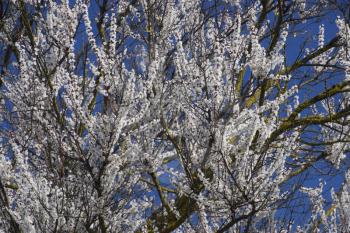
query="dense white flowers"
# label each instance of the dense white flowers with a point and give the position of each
(169, 116)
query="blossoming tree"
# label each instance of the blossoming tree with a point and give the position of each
(174, 116)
